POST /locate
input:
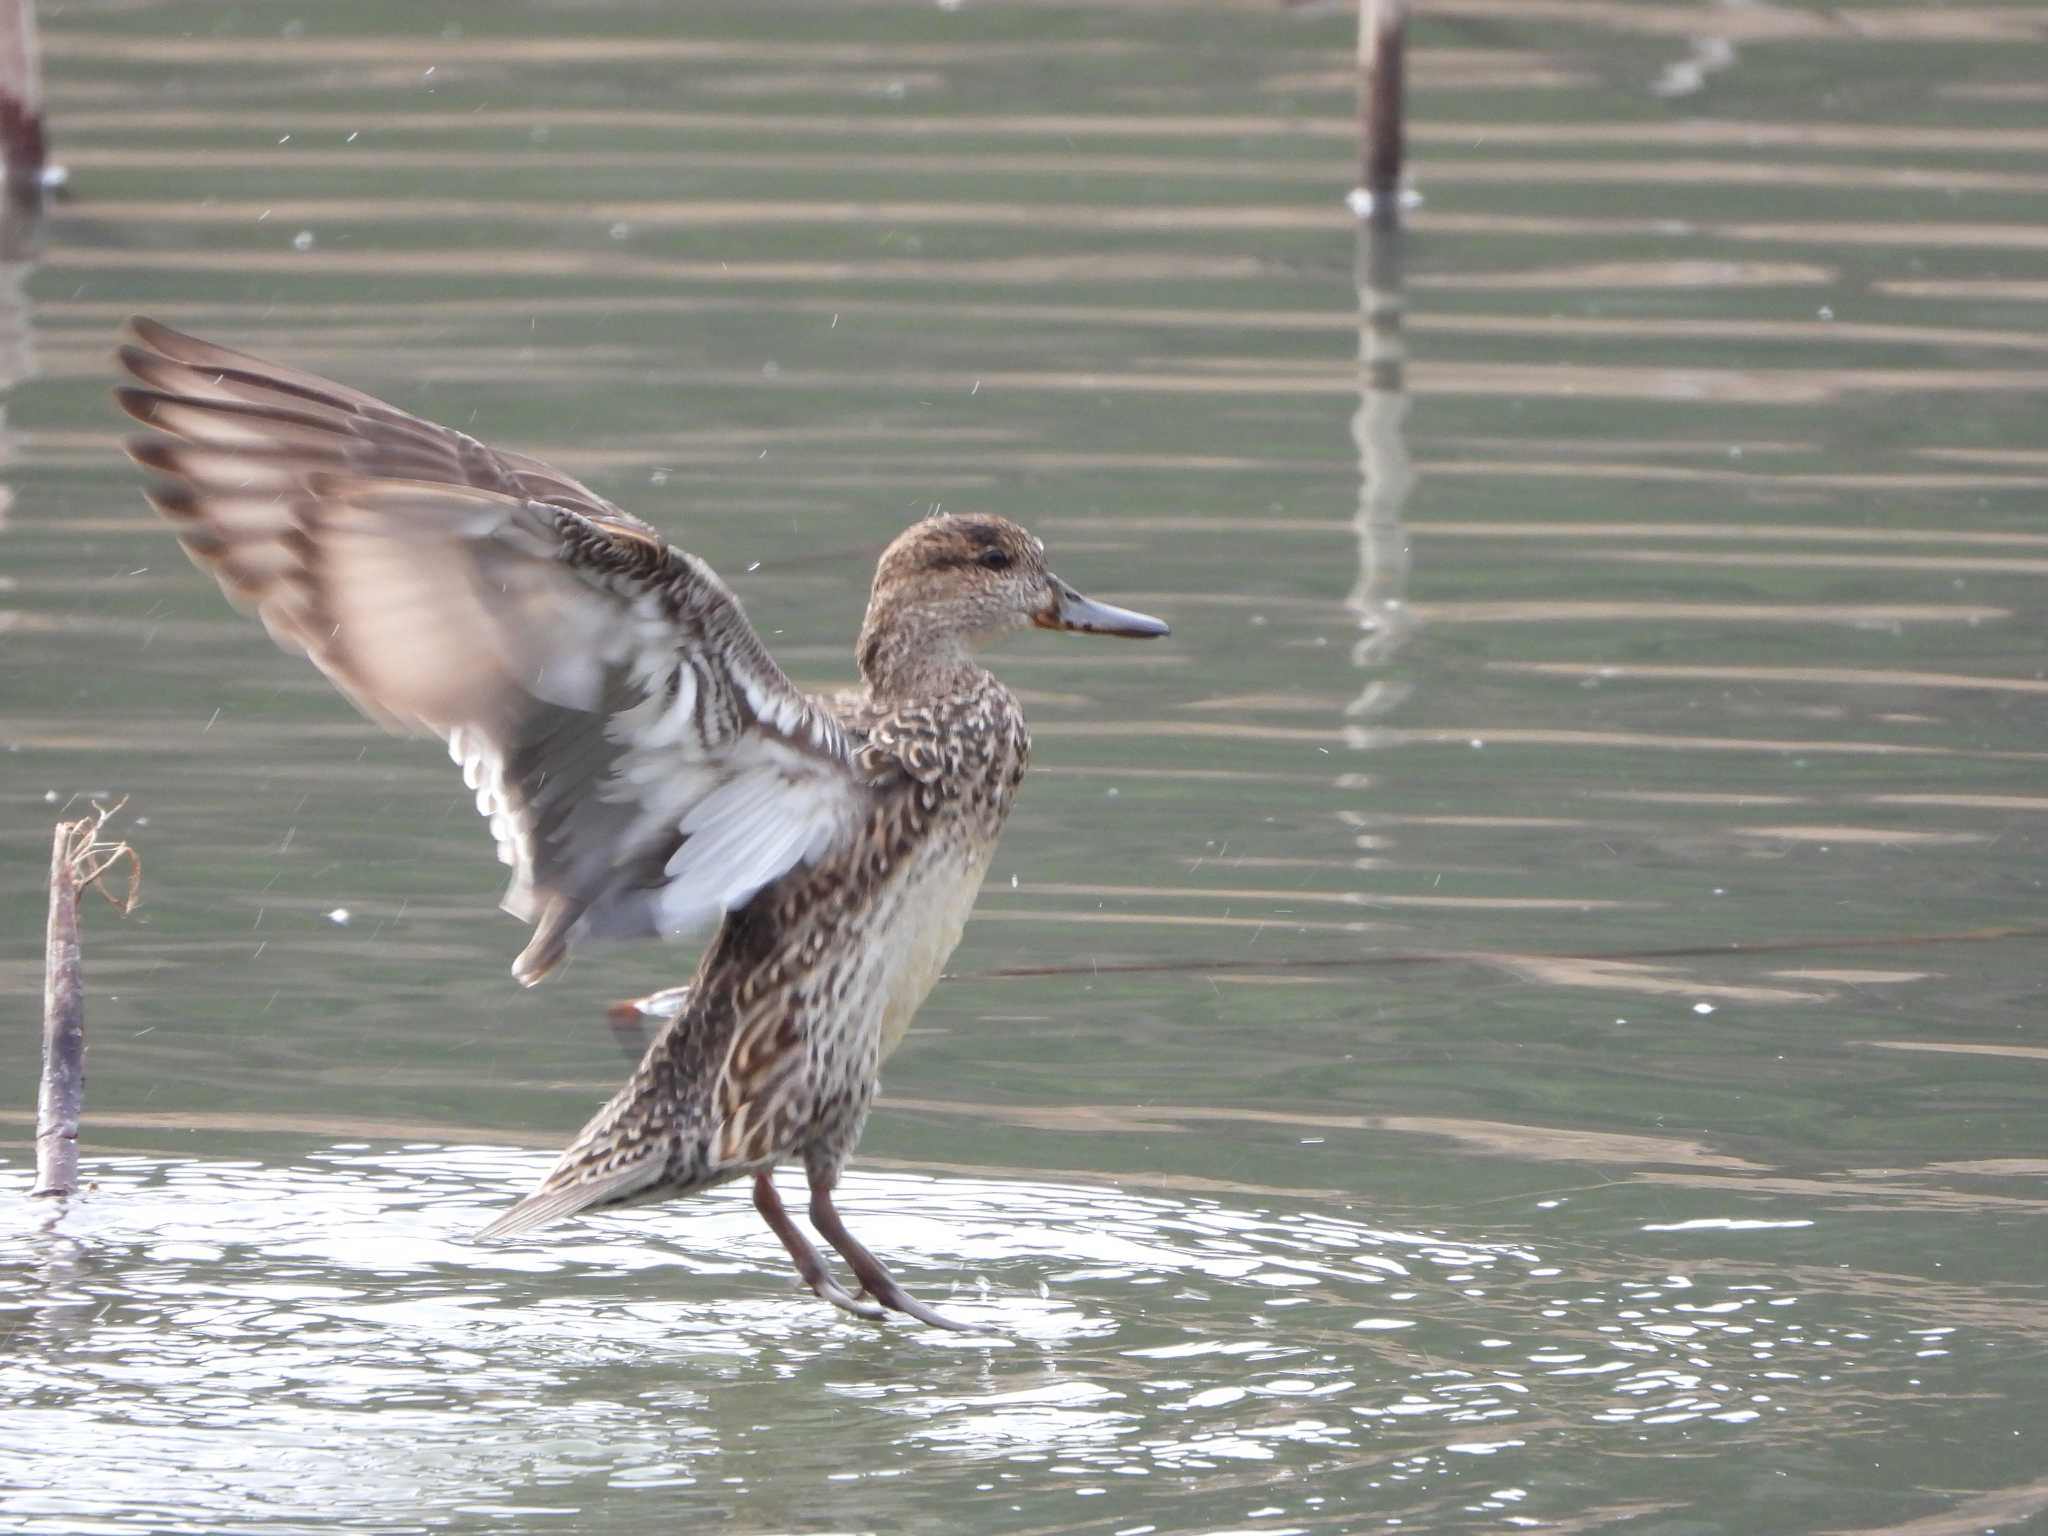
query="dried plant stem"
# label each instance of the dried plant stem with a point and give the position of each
(63, 1090)
(78, 859)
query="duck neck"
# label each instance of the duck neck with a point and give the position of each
(899, 659)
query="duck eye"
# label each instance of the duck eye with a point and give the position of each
(995, 559)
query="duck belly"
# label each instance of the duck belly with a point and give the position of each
(929, 912)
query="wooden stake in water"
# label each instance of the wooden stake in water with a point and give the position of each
(78, 859)
(23, 149)
(1382, 88)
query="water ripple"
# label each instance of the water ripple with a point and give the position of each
(260, 1341)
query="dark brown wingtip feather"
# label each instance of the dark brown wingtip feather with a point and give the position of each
(153, 453)
(216, 556)
(142, 403)
(197, 419)
(177, 347)
(176, 502)
(132, 359)
(159, 337)
(151, 369)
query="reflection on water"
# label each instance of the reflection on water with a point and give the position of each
(253, 1341)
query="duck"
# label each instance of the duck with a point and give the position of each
(644, 766)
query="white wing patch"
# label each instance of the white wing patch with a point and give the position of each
(783, 807)
(483, 770)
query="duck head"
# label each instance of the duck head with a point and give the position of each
(953, 582)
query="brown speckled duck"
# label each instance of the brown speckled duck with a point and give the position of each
(645, 766)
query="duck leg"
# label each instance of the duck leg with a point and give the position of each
(873, 1275)
(809, 1262)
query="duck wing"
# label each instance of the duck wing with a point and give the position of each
(643, 763)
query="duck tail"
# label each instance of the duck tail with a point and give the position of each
(576, 1186)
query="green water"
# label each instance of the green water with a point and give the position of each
(1524, 1013)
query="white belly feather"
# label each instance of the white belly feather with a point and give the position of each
(931, 910)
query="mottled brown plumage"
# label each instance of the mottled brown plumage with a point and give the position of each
(644, 765)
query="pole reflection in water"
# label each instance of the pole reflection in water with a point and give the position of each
(1379, 598)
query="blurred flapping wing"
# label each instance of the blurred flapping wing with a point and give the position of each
(644, 764)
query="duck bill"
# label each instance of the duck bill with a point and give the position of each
(1070, 610)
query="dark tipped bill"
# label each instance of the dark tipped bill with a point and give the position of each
(1070, 610)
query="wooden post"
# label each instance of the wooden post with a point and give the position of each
(78, 859)
(1382, 84)
(22, 145)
